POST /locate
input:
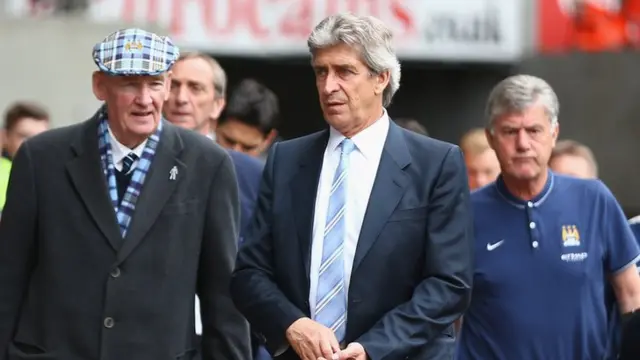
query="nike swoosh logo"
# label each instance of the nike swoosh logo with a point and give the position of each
(492, 247)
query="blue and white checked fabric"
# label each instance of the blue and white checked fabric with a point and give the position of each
(135, 52)
(125, 211)
(331, 299)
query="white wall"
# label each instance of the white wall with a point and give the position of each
(49, 61)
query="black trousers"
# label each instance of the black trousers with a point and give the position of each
(630, 344)
(198, 354)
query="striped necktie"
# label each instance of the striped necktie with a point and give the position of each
(127, 162)
(331, 299)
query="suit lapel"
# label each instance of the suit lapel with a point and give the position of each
(388, 188)
(85, 171)
(157, 188)
(304, 186)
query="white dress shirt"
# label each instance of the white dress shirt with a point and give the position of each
(119, 152)
(363, 167)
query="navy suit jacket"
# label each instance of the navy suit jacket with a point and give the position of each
(412, 270)
(249, 173)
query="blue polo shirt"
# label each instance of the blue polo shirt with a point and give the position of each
(541, 267)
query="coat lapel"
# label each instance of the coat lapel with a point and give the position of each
(157, 188)
(388, 189)
(85, 171)
(304, 186)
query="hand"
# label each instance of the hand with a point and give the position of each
(354, 351)
(312, 340)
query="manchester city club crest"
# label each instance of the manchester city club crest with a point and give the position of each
(570, 235)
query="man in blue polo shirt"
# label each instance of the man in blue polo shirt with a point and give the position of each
(545, 243)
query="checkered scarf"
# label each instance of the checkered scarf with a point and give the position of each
(125, 211)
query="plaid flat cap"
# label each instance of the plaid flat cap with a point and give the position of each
(135, 52)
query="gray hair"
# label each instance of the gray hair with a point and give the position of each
(517, 93)
(367, 33)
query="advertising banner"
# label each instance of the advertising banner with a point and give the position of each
(454, 30)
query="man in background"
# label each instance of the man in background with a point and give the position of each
(198, 91)
(572, 158)
(482, 163)
(250, 119)
(197, 96)
(22, 120)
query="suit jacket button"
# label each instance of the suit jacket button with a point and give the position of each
(108, 322)
(115, 273)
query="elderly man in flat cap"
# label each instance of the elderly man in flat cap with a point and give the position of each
(111, 227)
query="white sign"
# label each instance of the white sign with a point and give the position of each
(459, 30)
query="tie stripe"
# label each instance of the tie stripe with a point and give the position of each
(339, 323)
(331, 299)
(325, 265)
(338, 182)
(334, 221)
(127, 162)
(337, 288)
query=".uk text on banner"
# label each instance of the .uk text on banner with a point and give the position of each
(451, 30)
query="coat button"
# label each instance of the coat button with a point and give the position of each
(115, 273)
(109, 323)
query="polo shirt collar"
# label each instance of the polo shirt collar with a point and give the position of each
(536, 201)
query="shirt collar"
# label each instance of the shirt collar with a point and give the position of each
(536, 201)
(369, 141)
(119, 151)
